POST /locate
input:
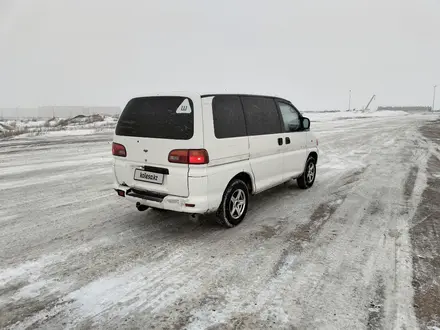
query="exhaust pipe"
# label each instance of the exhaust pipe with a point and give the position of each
(141, 207)
(194, 217)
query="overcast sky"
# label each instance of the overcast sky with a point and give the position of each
(102, 52)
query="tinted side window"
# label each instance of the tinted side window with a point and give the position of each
(261, 115)
(290, 116)
(228, 117)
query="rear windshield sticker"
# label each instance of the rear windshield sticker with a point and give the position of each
(184, 107)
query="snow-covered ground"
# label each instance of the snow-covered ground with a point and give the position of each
(339, 115)
(79, 125)
(337, 256)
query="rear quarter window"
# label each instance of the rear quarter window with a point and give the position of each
(228, 117)
(160, 117)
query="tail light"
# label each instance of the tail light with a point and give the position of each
(118, 150)
(120, 192)
(191, 156)
(198, 156)
(178, 156)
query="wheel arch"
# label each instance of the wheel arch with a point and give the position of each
(223, 215)
(314, 155)
(246, 178)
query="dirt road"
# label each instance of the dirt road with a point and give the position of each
(360, 250)
(425, 237)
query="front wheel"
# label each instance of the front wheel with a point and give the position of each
(234, 204)
(306, 180)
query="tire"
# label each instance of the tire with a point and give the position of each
(234, 205)
(306, 180)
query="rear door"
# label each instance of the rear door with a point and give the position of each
(149, 128)
(265, 140)
(295, 138)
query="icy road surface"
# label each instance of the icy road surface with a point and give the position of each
(337, 256)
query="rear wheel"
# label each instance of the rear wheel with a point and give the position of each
(307, 179)
(234, 204)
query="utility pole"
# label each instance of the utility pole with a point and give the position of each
(349, 100)
(433, 99)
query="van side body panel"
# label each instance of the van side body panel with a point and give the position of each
(266, 150)
(227, 158)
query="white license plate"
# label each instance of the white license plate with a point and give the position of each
(148, 176)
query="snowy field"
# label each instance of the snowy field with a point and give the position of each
(79, 125)
(349, 253)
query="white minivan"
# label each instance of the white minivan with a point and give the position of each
(198, 154)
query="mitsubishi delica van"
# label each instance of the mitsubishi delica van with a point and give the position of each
(198, 154)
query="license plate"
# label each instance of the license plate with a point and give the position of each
(146, 176)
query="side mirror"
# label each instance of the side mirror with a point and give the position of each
(306, 123)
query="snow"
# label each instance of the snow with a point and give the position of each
(344, 115)
(73, 254)
(30, 269)
(80, 125)
(68, 132)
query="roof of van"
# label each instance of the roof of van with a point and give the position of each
(241, 94)
(198, 94)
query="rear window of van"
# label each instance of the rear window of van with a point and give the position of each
(161, 117)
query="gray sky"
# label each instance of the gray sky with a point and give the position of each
(102, 52)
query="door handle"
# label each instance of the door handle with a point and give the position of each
(287, 140)
(280, 141)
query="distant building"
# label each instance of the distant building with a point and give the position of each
(406, 109)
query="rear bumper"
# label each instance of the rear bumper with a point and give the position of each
(196, 203)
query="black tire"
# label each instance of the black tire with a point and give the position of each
(229, 215)
(306, 180)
